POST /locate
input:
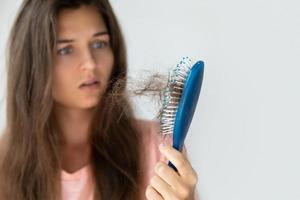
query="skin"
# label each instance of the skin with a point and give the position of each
(167, 184)
(76, 61)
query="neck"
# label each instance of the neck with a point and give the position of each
(74, 125)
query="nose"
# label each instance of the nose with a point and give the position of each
(87, 61)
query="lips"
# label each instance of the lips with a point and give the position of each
(89, 82)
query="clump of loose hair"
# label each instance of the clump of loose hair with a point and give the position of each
(152, 86)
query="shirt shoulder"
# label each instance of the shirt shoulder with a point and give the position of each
(150, 136)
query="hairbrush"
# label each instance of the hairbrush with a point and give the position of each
(180, 99)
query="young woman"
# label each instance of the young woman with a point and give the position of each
(71, 133)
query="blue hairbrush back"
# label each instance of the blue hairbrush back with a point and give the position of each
(180, 101)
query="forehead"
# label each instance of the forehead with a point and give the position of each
(83, 20)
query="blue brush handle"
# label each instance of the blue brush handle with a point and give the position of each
(187, 106)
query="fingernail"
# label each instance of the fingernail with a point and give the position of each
(160, 168)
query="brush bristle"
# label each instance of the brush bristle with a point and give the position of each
(172, 94)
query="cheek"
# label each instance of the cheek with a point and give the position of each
(105, 65)
(61, 87)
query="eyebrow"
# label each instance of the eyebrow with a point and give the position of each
(72, 40)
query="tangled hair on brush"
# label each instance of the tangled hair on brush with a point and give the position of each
(32, 162)
(151, 86)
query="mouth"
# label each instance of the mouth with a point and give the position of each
(92, 83)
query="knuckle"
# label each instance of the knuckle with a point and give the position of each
(181, 163)
(176, 198)
(152, 180)
(184, 193)
(193, 179)
(159, 166)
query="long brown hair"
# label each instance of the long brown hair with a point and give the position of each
(31, 166)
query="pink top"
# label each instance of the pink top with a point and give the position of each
(79, 185)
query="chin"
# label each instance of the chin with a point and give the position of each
(89, 105)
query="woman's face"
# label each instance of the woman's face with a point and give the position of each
(83, 59)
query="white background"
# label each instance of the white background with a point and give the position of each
(244, 139)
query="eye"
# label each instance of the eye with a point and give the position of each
(65, 51)
(99, 45)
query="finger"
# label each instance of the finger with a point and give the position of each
(152, 194)
(168, 175)
(162, 187)
(177, 158)
(184, 152)
(180, 187)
